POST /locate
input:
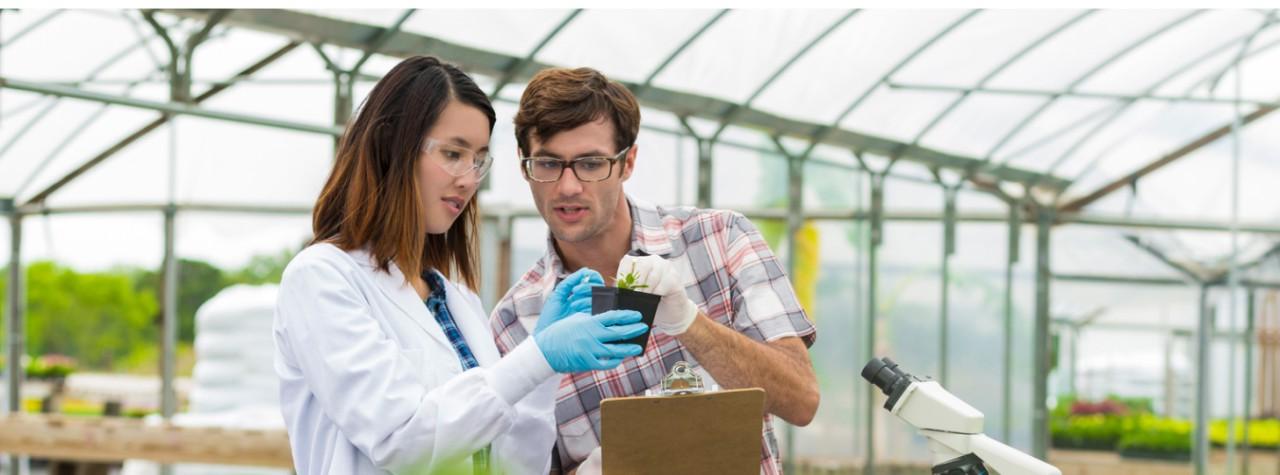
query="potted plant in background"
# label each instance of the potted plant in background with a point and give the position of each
(626, 296)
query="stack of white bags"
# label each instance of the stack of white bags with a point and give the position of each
(234, 383)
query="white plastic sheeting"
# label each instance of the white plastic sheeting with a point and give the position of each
(235, 384)
(1054, 91)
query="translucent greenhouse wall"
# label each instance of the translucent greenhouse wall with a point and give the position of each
(749, 173)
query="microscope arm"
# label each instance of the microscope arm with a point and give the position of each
(998, 457)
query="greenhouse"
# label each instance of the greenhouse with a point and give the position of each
(1061, 216)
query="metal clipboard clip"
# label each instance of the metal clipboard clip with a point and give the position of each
(682, 380)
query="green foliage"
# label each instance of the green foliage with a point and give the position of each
(1262, 433)
(1159, 437)
(111, 320)
(145, 360)
(1097, 425)
(261, 269)
(198, 281)
(772, 230)
(95, 317)
(1092, 432)
(1135, 432)
(50, 367)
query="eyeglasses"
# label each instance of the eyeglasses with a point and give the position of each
(586, 169)
(456, 160)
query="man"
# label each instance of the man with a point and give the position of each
(726, 304)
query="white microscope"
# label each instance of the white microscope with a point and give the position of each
(954, 428)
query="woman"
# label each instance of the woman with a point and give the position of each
(385, 363)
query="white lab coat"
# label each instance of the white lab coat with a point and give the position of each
(370, 384)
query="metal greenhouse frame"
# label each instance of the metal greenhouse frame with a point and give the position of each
(1033, 198)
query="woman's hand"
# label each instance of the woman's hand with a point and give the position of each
(583, 342)
(572, 295)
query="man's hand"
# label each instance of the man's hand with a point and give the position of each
(675, 312)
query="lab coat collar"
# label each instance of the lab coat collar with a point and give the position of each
(472, 322)
(393, 284)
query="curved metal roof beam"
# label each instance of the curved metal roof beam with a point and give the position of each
(376, 43)
(680, 49)
(777, 73)
(1089, 167)
(39, 22)
(146, 48)
(1267, 21)
(303, 27)
(999, 69)
(1085, 77)
(73, 135)
(515, 67)
(1098, 128)
(835, 124)
(1123, 105)
(93, 74)
(213, 90)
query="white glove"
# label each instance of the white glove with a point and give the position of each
(675, 312)
(593, 465)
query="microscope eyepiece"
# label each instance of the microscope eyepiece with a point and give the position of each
(884, 374)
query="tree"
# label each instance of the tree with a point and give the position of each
(262, 269)
(94, 317)
(101, 318)
(198, 281)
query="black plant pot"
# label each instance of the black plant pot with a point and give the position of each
(604, 299)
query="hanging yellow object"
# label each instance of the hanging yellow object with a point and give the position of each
(806, 270)
(804, 279)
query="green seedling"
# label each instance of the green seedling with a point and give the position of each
(629, 280)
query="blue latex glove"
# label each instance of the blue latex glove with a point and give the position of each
(572, 295)
(580, 342)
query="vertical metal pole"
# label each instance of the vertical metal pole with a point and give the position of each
(17, 302)
(873, 281)
(795, 210)
(503, 282)
(680, 134)
(1039, 415)
(1232, 344)
(344, 91)
(859, 230)
(948, 249)
(1248, 379)
(1200, 440)
(169, 297)
(704, 172)
(1011, 259)
(169, 326)
(1170, 378)
(1075, 360)
(1233, 274)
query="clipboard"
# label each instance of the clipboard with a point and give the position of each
(707, 432)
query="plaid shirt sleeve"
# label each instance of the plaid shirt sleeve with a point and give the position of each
(507, 330)
(765, 307)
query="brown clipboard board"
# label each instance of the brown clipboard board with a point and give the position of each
(714, 432)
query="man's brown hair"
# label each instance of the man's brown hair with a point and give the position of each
(372, 196)
(560, 99)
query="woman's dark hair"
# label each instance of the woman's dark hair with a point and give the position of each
(371, 197)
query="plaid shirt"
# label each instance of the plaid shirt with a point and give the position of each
(739, 284)
(436, 303)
